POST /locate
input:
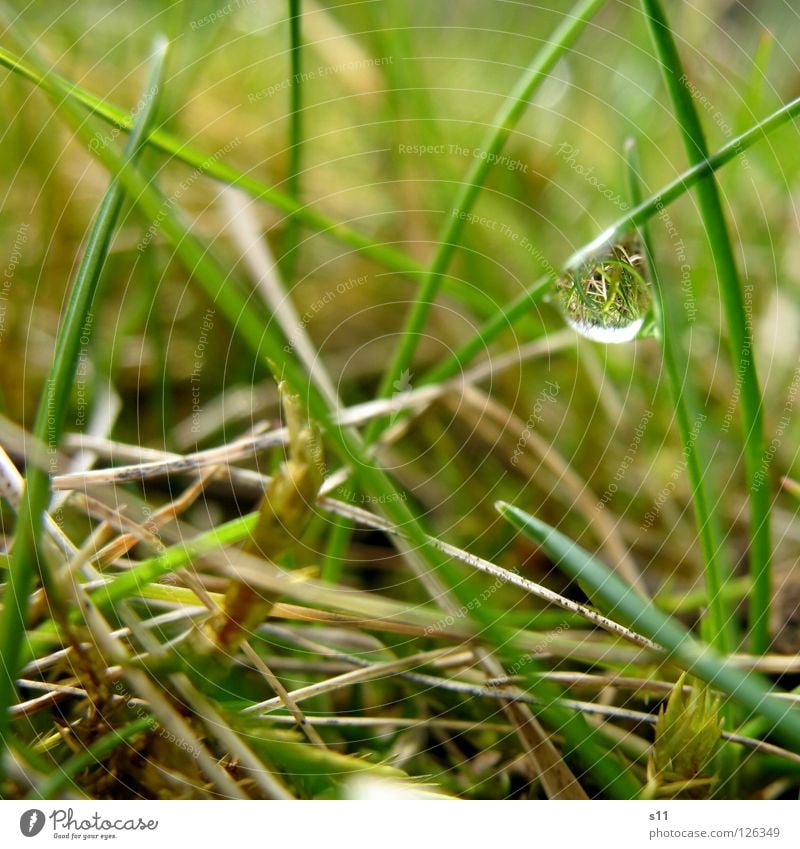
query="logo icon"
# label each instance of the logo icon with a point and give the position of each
(31, 822)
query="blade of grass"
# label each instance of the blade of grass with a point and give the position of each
(718, 624)
(687, 417)
(27, 557)
(511, 111)
(622, 602)
(295, 135)
(739, 330)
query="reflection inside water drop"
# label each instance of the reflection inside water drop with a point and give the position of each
(606, 297)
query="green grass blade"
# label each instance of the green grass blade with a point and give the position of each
(687, 418)
(511, 111)
(739, 331)
(27, 557)
(718, 624)
(624, 604)
(295, 134)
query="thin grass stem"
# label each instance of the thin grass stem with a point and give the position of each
(740, 337)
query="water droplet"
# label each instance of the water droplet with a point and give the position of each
(607, 297)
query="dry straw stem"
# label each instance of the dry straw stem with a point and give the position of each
(150, 463)
(263, 268)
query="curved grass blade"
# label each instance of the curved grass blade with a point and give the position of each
(739, 331)
(718, 624)
(621, 602)
(510, 113)
(27, 556)
(687, 417)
